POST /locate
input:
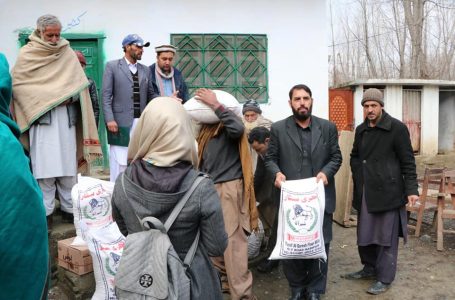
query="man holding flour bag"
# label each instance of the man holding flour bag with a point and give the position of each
(304, 146)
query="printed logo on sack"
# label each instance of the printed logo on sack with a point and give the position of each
(301, 219)
(111, 263)
(146, 280)
(98, 207)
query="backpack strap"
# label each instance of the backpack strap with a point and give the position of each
(192, 251)
(178, 208)
(170, 220)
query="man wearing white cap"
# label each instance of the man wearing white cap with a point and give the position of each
(167, 80)
(126, 92)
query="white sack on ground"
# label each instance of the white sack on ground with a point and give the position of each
(106, 246)
(91, 205)
(300, 220)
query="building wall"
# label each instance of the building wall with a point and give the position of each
(358, 110)
(430, 113)
(296, 31)
(446, 141)
(430, 120)
(393, 103)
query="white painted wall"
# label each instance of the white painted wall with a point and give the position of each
(429, 120)
(446, 127)
(296, 31)
(393, 101)
(358, 109)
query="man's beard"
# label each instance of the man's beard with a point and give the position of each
(135, 56)
(250, 125)
(302, 116)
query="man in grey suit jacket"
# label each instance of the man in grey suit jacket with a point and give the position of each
(303, 146)
(126, 92)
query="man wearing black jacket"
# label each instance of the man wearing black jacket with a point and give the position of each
(385, 180)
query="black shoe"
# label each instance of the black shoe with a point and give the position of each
(266, 266)
(378, 288)
(297, 294)
(362, 274)
(314, 296)
(67, 217)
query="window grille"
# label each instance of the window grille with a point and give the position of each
(235, 63)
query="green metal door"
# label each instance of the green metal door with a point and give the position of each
(92, 51)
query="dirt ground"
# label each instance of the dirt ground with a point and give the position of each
(423, 272)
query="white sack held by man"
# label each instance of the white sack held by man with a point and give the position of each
(300, 220)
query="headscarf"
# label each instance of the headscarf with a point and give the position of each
(5, 96)
(163, 135)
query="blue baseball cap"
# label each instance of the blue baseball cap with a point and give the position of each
(134, 39)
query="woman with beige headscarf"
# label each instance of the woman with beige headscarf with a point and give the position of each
(162, 155)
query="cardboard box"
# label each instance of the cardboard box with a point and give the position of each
(76, 259)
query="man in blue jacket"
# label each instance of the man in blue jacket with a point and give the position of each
(167, 80)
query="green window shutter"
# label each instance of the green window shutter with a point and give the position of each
(235, 63)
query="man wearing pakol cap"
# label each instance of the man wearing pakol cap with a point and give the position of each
(51, 105)
(126, 92)
(385, 181)
(167, 80)
(92, 88)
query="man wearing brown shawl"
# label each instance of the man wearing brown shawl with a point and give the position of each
(49, 92)
(224, 155)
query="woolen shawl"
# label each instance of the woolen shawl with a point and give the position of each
(44, 77)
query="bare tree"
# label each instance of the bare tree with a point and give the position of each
(392, 39)
(400, 34)
(413, 14)
(366, 40)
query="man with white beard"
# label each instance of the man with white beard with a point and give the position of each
(252, 118)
